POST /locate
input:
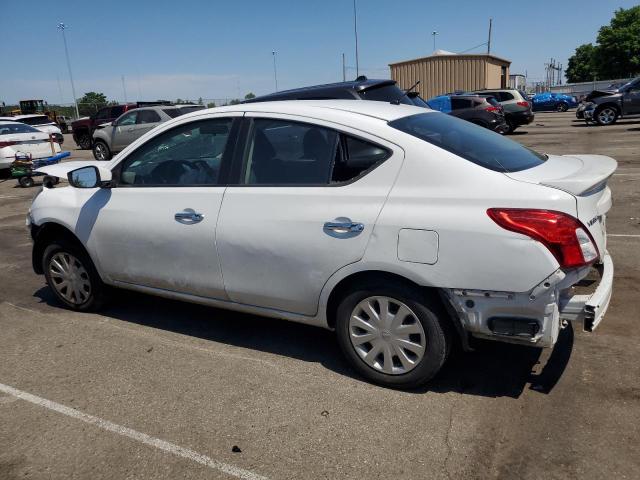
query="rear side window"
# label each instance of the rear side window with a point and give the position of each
(148, 116)
(117, 111)
(281, 152)
(505, 96)
(460, 103)
(172, 112)
(386, 93)
(475, 144)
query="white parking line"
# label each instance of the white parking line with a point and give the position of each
(621, 235)
(134, 435)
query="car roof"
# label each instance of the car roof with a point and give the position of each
(31, 115)
(322, 108)
(328, 89)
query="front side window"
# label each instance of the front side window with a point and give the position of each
(189, 154)
(128, 119)
(281, 152)
(471, 142)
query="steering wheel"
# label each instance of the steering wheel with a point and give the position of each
(168, 172)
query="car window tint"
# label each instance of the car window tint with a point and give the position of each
(39, 120)
(172, 112)
(128, 119)
(386, 93)
(356, 157)
(459, 103)
(16, 127)
(281, 152)
(475, 144)
(117, 111)
(190, 154)
(102, 114)
(505, 96)
(148, 116)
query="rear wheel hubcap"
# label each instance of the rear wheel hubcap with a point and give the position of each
(69, 278)
(387, 335)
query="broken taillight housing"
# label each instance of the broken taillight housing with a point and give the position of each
(565, 236)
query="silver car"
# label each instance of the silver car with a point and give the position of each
(111, 138)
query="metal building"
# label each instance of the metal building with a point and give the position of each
(444, 72)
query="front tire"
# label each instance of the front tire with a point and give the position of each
(101, 151)
(71, 275)
(606, 115)
(84, 141)
(26, 182)
(393, 334)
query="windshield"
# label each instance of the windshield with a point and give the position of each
(16, 127)
(471, 142)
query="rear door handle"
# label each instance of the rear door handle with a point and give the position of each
(344, 227)
(189, 217)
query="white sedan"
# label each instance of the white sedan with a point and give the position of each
(17, 138)
(39, 122)
(402, 229)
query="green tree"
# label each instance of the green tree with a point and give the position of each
(235, 101)
(618, 52)
(91, 102)
(249, 96)
(580, 67)
(211, 105)
(200, 102)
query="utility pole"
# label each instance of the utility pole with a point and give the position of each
(434, 33)
(489, 41)
(344, 69)
(275, 70)
(355, 32)
(61, 27)
(124, 89)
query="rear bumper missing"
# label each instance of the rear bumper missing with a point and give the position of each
(589, 309)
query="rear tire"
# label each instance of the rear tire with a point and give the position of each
(101, 151)
(26, 182)
(562, 107)
(84, 141)
(394, 351)
(71, 275)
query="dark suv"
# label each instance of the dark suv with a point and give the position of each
(605, 107)
(483, 110)
(361, 88)
(83, 128)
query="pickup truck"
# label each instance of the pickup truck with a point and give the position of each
(604, 107)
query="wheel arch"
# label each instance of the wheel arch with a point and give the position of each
(44, 234)
(359, 277)
(614, 105)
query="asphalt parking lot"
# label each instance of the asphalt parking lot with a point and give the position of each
(158, 389)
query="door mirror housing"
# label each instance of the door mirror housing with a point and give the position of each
(89, 177)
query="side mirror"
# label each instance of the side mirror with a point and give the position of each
(89, 177)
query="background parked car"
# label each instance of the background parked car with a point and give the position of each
(553, 101)
(64, 123)
(18, 137)
(516, 105)
(605, 107)
(83, 128)
(110, 138)
(483, 110)
(39, 122)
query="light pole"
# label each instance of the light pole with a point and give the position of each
(434, 33)
(355, 32)
(275, 70)
(61, 27)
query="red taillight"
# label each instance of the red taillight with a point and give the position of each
(7, 144)
(567, 239)
(493, 109)
(524, 104)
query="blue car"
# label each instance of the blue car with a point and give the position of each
(558, 102)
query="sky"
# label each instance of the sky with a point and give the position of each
(223, 49)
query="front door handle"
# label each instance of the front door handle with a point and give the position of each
(344, 227)
(189, 217)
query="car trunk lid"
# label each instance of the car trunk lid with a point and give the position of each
(583, 176)
(36, 144)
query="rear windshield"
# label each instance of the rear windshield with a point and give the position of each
(386, 93)
(471, 142)
(8, 128)
(39, 120)
(172, 112)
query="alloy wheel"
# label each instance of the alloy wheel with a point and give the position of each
(69, 278)
(387, 335)
(101, 151)
(606, 116)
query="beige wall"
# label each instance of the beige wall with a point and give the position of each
(444, 74)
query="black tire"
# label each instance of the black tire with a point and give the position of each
(95, 296)
(84, 141)
(428, 311)
(606, 115)
(101, 151)
(26, 182)
(562, 107)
